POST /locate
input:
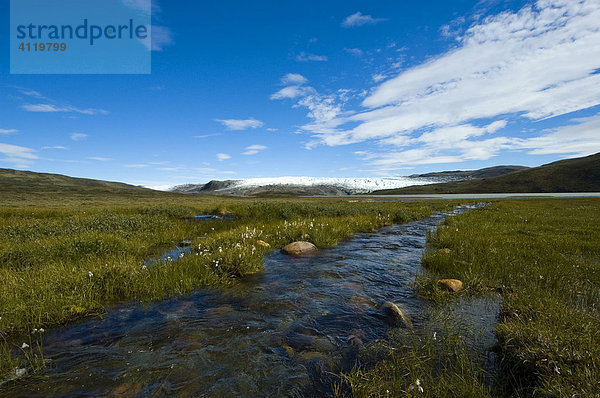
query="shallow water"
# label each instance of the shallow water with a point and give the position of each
(478, 196)
(277, 333)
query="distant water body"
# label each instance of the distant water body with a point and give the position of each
(477, 196)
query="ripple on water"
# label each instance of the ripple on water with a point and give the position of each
(276, 333)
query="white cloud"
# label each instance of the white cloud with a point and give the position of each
(378, 77)
(59, 147)
(254, 149)
(582, 138)
(17, 155)
(49, 108)
(453, 29)
(357, 52)
(159, 38)
(31, 93)
(135, 166)
(537, 63)
(290, 92)
(223, 156)
(293, 78)
(358, 19)
(100, 159)
(304, 57)
(237, 124)
(9, 131)
(78, 136)
(322, 109)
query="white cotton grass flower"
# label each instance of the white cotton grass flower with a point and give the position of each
(20, 372)
(416, 386)
(90, 274)
(24, 346)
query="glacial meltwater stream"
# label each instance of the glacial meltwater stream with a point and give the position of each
(282, 332)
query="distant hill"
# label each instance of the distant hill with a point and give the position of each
(28, 182)
(571, 175)
(469, 174)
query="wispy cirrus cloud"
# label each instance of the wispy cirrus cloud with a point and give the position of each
(254, 149)
(50, 108)
(240, 124)
(135, 166)
(378, 77)
(357, 52)
(31, 93)
(580, 137)
(18, 156)
(358, 19)
(56, 147)
(159, 36)
(322, 109)
(222, 156)
(162, 37)
(8, 131)
(100, 159)
(306, 57)
(534, 64)
(78, 136)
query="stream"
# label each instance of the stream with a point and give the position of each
(282, 332)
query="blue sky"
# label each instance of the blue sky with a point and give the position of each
(332, 89)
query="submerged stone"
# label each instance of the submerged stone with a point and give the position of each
(299, 248)
(354, 340)
(289, 350)
(395, 316)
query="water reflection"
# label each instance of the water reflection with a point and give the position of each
(280, 332)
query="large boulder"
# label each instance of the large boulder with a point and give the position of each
(452, 285)
(299, 248)
(395, 316)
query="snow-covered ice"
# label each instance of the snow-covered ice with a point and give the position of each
(354, 184)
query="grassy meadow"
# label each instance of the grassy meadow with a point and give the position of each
(66, 258)
(543, 258)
